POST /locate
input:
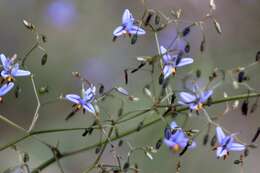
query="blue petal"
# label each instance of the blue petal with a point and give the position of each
(89, 107)
(220, 135)
(127, 17)
(6, 88)
(236, 147)
(4, 73)
(166, 57)
(169, 143)
(167, 71)
(185, 61)
(18, 73)
(173, 125)
(119, 31)
(220, 152)
(136, 30)
(5, 61)
(73, 97)
(89, 94)
(187, 97)
(206, 95)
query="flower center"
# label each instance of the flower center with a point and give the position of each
(199, 107)
(176, 148)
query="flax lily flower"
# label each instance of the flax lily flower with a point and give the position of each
(9, 72)
(128, 26)
(84, 102)
(195, 101)
(176, 139)
(170, 63)
(226, 144)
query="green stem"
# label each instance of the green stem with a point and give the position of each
(131, 131)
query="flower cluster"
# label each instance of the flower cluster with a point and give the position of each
(226, 144)
(84, 102)
(172, 62)
(176, 139)
(128, 26)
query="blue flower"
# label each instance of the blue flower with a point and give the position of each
(176, 139)
(195, 101)
(85, 102)
(10, 70)
(226, 143)
(128, 26)
(172, 62)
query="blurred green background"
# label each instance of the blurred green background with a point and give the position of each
(79, 38)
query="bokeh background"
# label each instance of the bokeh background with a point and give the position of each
(79, 38)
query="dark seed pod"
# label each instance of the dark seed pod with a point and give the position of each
(101, 89)
(26, 157)
(187, 48)
(44, 38)
(241, 76)
(173, 98)
(244, 107)
(90, 130)
(246, 152)
(157, 20)
(158, 144)
(161, 79)
(148, 18)
(114, 38)
(186, 31)
(198, 73)
(134, 39)
(205, 139)
(71, 114)
(213, 141)
(85, 132)
(140, 126)
(237, 162)
(17, 91)
(203, 44)
(257, 57)
(126, 166)
(256, 135)
(44, 59)
(126, 76)
(97, 150)
(120, 143)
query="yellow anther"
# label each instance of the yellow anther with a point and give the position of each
(173, 71)
(176, 148)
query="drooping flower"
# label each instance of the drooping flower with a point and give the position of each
(176, 139)
(170, 63)
(9, 72)
(195, 101)
(128, 26)
(226, 143)
(84, 102)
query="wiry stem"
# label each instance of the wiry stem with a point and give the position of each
(128, 132)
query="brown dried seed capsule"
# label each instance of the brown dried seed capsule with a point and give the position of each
(157, 20)
(44, 59)
(257, 57)
(244, 107)
(158, 144)
(126, 166)
(256, 135)
(246, 152)
(114, 38)
(97, 150)
(236, 162)
(148, 18)
(198, 73)
(126, 76)
(205, 139)
(213, 141)
(120, 143)
(134, 39)
(101, 89)
(161, 79)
